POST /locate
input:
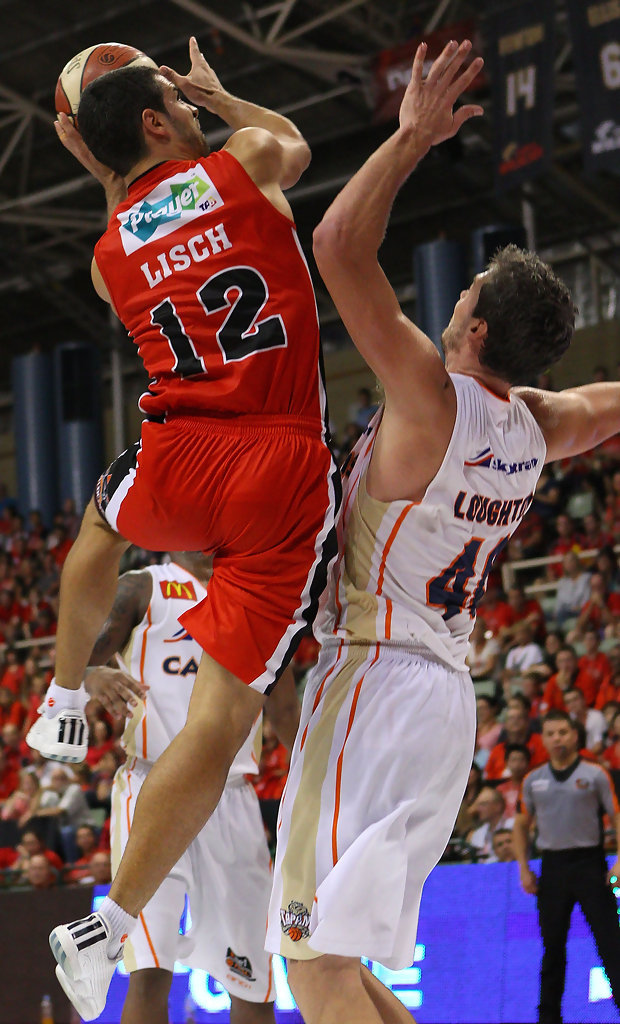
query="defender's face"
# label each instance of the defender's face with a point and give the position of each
(456, 330)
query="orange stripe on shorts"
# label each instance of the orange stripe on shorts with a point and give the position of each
(341, 759)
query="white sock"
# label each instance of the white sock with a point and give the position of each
(121, 923)
(59, 698)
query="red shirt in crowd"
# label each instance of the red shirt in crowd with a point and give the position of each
(553, 694)
(269, 783)
(496, 765)
(15, 714)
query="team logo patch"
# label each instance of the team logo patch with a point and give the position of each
(295, 921)
(175, 589)
(582, 784)
(239, 965)
(180, 198)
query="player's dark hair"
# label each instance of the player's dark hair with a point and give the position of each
(110, 115)
(529, 313)
(516, 748)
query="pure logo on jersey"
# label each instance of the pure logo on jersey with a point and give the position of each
(295, 921)
(240, 965)
(488, 460)
(175, 589)
(181, 197)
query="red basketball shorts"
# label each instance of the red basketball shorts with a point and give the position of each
(260, 494)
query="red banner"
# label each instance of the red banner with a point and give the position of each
(392, 68)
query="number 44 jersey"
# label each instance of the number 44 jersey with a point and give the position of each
(211, 283)
(413, 572)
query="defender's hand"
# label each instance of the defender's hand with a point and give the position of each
(115, 690)
(201, 85)
(427, 104)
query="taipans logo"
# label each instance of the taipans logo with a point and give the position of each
(295, 921)
(184, 195)
(240, 965)
(488, 460)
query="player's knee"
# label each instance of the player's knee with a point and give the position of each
(326, 974)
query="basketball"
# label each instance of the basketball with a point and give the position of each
(90, 64)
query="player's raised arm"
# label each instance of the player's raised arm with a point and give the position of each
(347, 240)
(279, 149)
(577, 419)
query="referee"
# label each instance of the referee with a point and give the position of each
(568, 796)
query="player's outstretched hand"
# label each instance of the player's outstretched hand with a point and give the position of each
(115, 689)
(428, 103)
(73, 141)
(201, 84)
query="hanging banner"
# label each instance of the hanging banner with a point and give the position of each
(392, 68)
(520, 57)
(595, 32)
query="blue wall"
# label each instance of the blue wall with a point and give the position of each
(477, 959)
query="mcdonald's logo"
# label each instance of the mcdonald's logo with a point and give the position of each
(174, 588)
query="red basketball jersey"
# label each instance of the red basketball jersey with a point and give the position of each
(211, 283)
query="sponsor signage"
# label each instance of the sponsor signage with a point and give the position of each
(595, 32)
(520, 57)
(392, 68)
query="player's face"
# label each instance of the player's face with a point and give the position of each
(460, 321)
(185, 123)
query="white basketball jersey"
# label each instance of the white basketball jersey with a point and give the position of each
(413, 572)
(163, 655)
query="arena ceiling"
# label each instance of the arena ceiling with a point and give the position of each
(311, 59)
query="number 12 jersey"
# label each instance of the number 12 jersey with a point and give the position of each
(211, 283)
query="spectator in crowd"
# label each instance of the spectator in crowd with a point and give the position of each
(528, 540)
(39, 873)
(609, 713)
(490, 810)
(547, 496)
(23, 803)
(523, 611)
(518, 764)
(86, 841)
(601, 609)
(522, 656)
(611, 754)
(465, 820)
(11, 709)
(503, 846)
(9, 778)
(488, 728)
(567, 540)
(607, 564)
(12, 672)
(14, 748)
(101, 740)
(64, 798)
(567, 797)
(31, 844)
(271, 778)
(593, 663)
(518, 728)
(594, 536)
(611, 516)
(494, 610)
(573, 589)
(554, 640)
(100, 869)
(483, 655)
(365, 408)
(592, 721)
(531, 688)
(566, 676)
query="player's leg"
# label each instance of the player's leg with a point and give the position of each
(185, 784)
(87, 588)
(329, 990)
(244, 1012)
(389, 1007)
(147, 997)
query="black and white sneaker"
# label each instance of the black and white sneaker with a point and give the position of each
(61, 738)
(84, 968)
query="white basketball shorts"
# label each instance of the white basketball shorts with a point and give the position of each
(377, 775)
(226, 874)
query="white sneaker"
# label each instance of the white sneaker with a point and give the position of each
(61, 738)
(84, 968)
